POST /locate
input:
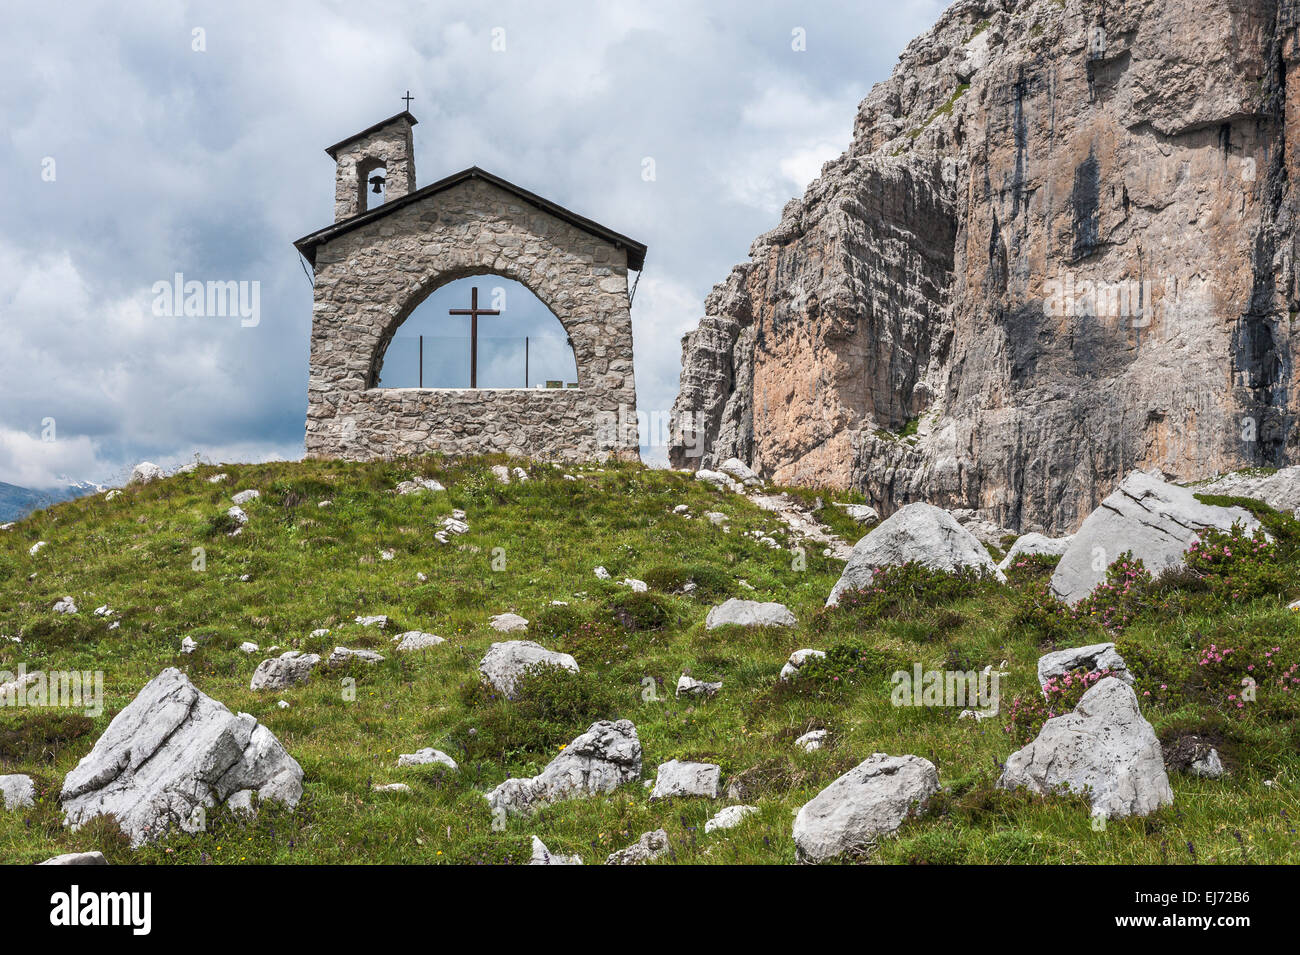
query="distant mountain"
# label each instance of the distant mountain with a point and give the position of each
(17, 502)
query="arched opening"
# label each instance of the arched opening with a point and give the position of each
(522, 345)
(371, 181)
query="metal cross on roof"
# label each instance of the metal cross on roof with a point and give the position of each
(408, 97)
(473, 312)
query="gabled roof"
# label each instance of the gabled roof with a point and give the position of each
(308, 244)
(332, 150)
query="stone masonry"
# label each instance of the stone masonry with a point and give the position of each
(373, 269)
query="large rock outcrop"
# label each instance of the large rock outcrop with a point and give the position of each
(605, 757)
(170, 752)
(1154, 521)
(921, 534)
(1059, 248)
(1104, 749)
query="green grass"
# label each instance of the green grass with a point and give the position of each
(313, 567)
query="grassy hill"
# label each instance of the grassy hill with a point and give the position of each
(311, 567)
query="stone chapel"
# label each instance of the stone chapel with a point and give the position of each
(372, 267)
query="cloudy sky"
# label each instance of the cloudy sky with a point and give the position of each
(155, 138)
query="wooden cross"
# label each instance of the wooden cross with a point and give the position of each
(408, 97)
(473, 312)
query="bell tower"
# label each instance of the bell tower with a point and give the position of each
(373, 166)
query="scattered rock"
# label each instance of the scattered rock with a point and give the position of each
(17, 791)
(36, 548)
(1154, 520)
(289, 669)
(65, 605)
(1105, 748)
(416, 640)
(391, 788)
(797, 660)
(650, 846)
(237, 515)
(418, 486)
(501, 473)
(248, 646)
(322, 632)
(77, 858)
(739, 471)
(1194, 755)
(145, 472)
(605, 757)
(543, 856)
(217, 478)
(170, 751)
(602, 573)
(729, 818)
(1090, 659)
(811, 741)
(379, 621)
(1280, 490)
(869, 801)
(455, 525)
(426, 757)
(188, 645)
(343, 656)
(638, 586)
(676, 778)
(506, 662)
(918, 533)
(1030, 545)
(749, 613)
(860, 513)
(244, 497)
(718, 479)
(508, 623)
(693, 687)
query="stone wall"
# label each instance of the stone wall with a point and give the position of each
(370, 279)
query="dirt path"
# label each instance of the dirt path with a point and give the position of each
(803, 522)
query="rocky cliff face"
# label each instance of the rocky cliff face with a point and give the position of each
(1060, 247)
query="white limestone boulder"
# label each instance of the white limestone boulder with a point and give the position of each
(677, 778)
(341, 656)
(427, 757)
(918, 533)
(169, 752)
(689, 686)
(508, 623)
(506, 662)
(650, 846)
(811, 741)
(245, 497)
(1090, 659)
(1153, 519)
(1104, 748)
(796, 661)
(1280, 490)
(729, 818)
(749, 613)
(868, 802)
(544, 856)
(416, 640)
(418, 486)
(1035, 545)
(17, 791)
(288, 669)
(605, 757)
(77, 858)
(739, 471)
(146, 472)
